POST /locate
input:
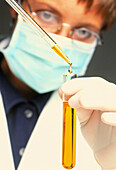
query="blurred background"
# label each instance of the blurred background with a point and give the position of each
(103, 63)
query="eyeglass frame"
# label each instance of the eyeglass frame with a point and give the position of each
(98, 35)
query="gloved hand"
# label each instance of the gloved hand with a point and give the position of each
(92, 97)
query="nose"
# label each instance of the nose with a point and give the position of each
(64, 30)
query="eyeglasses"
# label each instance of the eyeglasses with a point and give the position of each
(53, 23)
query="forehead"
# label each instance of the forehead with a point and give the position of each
(72, 11)
(69, 3)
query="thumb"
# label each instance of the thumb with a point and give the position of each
(109, 118)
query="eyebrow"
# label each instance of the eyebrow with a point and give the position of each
(47, 6)
(89, 26)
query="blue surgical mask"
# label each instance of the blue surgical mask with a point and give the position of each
(36, 64)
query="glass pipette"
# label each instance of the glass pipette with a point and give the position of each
(39, 30)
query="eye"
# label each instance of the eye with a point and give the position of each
(46, 17)
(83, 34)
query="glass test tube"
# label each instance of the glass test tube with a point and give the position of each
(69, 131)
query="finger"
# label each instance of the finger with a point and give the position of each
(88, 99)
(63, 96)
(73, 86)
(109, 118)
(74, 100)
(83, 100)
(77, 84)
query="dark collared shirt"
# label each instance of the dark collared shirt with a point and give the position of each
(21, 115)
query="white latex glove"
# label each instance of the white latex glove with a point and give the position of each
(92, 97)
(109, 118)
